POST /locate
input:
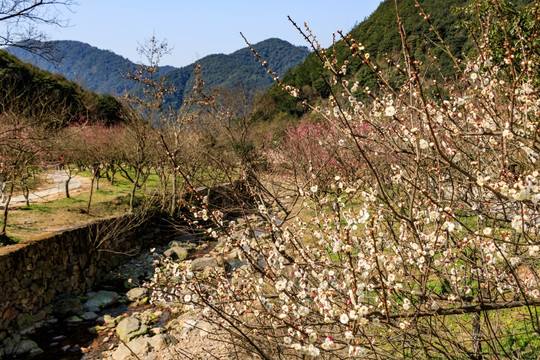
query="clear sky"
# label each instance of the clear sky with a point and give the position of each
(197, 28)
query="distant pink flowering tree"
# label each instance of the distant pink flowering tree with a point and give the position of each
(23, 147)
(314, 148)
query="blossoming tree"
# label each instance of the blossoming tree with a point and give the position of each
(431, 251)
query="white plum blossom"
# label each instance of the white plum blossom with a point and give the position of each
(303, 311)
(406, 304)
(281, 285)
(387, 219)
(390, 111)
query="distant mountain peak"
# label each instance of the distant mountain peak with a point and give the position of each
(100, 70)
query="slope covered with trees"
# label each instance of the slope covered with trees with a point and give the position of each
(380, 37)
(102, 70)
(29, 91)
(238, 69)
(92, 68)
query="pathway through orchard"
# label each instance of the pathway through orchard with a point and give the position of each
(59, 178)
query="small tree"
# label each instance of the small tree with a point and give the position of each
(27, 134)
(97, 148)
(177, 127)
(22, 148)
(136, 155)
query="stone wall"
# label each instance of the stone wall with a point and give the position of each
(34, 273)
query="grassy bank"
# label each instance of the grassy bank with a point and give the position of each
(58, 212)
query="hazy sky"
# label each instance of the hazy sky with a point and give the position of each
(197, 28)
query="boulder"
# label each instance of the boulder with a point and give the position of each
(148, 316)
(174, 243)
(137, 294)
(66, 305)
(74, 319)
(25, 323)
(121, 353)
(100, 300)
(27, 346)
(9, 345)
(161, 341)
(35, 352)
(129, 328)
(140, 346)
(188, 325)
(182, 239)
(89, 316)
(157, 330)
(200, 264)
(205, 328)
(220, 259)
(177, 253)
(109, 320)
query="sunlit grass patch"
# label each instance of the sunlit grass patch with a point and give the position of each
(37, 219)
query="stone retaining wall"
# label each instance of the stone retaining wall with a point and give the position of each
(34, 273)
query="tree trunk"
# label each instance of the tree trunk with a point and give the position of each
(26, 194)
(134, 187)
(113, 172)
(67, 187)
(69, 174)
(476, 337)
(163, 186)
(5, 217)
(91, 192)
(173, 197)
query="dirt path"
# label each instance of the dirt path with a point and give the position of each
(53, 189)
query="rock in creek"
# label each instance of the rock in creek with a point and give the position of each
(100, 300)
(143, 345)
(130, 328)
(177, 252)
(89, 316)
(137, 294)
(12, 347)
(66, 305)
(200, 264)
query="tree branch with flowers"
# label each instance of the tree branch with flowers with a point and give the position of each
(428, 250)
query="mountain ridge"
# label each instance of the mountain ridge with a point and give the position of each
(27, 90)
(101, 70)
(72, 54)
(380, 36)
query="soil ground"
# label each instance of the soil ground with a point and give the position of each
(54, 213)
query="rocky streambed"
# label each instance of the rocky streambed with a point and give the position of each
(116, 320)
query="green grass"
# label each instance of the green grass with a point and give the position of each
(36, 220)
(69, 201)
(35, 207)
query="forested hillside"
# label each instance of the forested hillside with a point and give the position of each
(27, 90)
(101, 70)
(240, 68)
(92, 68)
(381, 39)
